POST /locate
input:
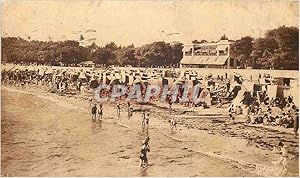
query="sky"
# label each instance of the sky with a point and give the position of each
(139, 22)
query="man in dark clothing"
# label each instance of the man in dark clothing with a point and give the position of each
(143, 156)
(118, 109)
(130, 111)
(100, 112)
(94, 112)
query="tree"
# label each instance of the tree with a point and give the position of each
(224, 37)
(104, 55)
(128, 56)
(242, 49)
(176, 53)
(155, 54)
(196, 42)
(259, 47)
(281, 44)
(278, 50)
(286, 55)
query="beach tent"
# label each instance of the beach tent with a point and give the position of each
(126, 79)
(284, 81)
(198, 86)
(130, 79)
(41, 72)
(204, 82)
(155, 81)
(49, 71)
(109, 79)
(115, 82)
(145, 77)
(138, 79)
(164, 81)
(238, 78)
(82, 75)
(205, 96)
(104, 77)
(74, 76)
(168, 73)
(173, 83)
(234, 89)
(273, 91)
(237, 101)
(249, 86)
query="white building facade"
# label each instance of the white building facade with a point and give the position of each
(209, 55)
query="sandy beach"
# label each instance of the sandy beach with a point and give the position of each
(44, 134)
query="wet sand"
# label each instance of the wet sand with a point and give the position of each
(48, 135)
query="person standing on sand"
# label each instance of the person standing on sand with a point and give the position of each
(130, 111)
(91, 102)
(100, 112)
(173, 123)
(128, 104)
(118, 109)
(284, 156)
(147, 139)
(94, 112)
(231, 111)
(143, 119)
(147, 117)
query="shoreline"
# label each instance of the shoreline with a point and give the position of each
(184, 135)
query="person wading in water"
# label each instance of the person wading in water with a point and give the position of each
(143, 156)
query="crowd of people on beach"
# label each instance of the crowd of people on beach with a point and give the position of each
(257, 107)
(221, 90)
(281, 113)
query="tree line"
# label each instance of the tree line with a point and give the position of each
(278, 49)
(69, 53)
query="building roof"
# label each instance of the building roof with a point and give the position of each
(204, 60)
(87, 62)
(222, 47)
(221, 42)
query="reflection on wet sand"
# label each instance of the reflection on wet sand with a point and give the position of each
(96, 127)
(143, 172)
(187, 151)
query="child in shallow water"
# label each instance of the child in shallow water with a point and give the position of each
(143, 156)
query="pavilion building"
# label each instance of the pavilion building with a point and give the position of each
(209, 55)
